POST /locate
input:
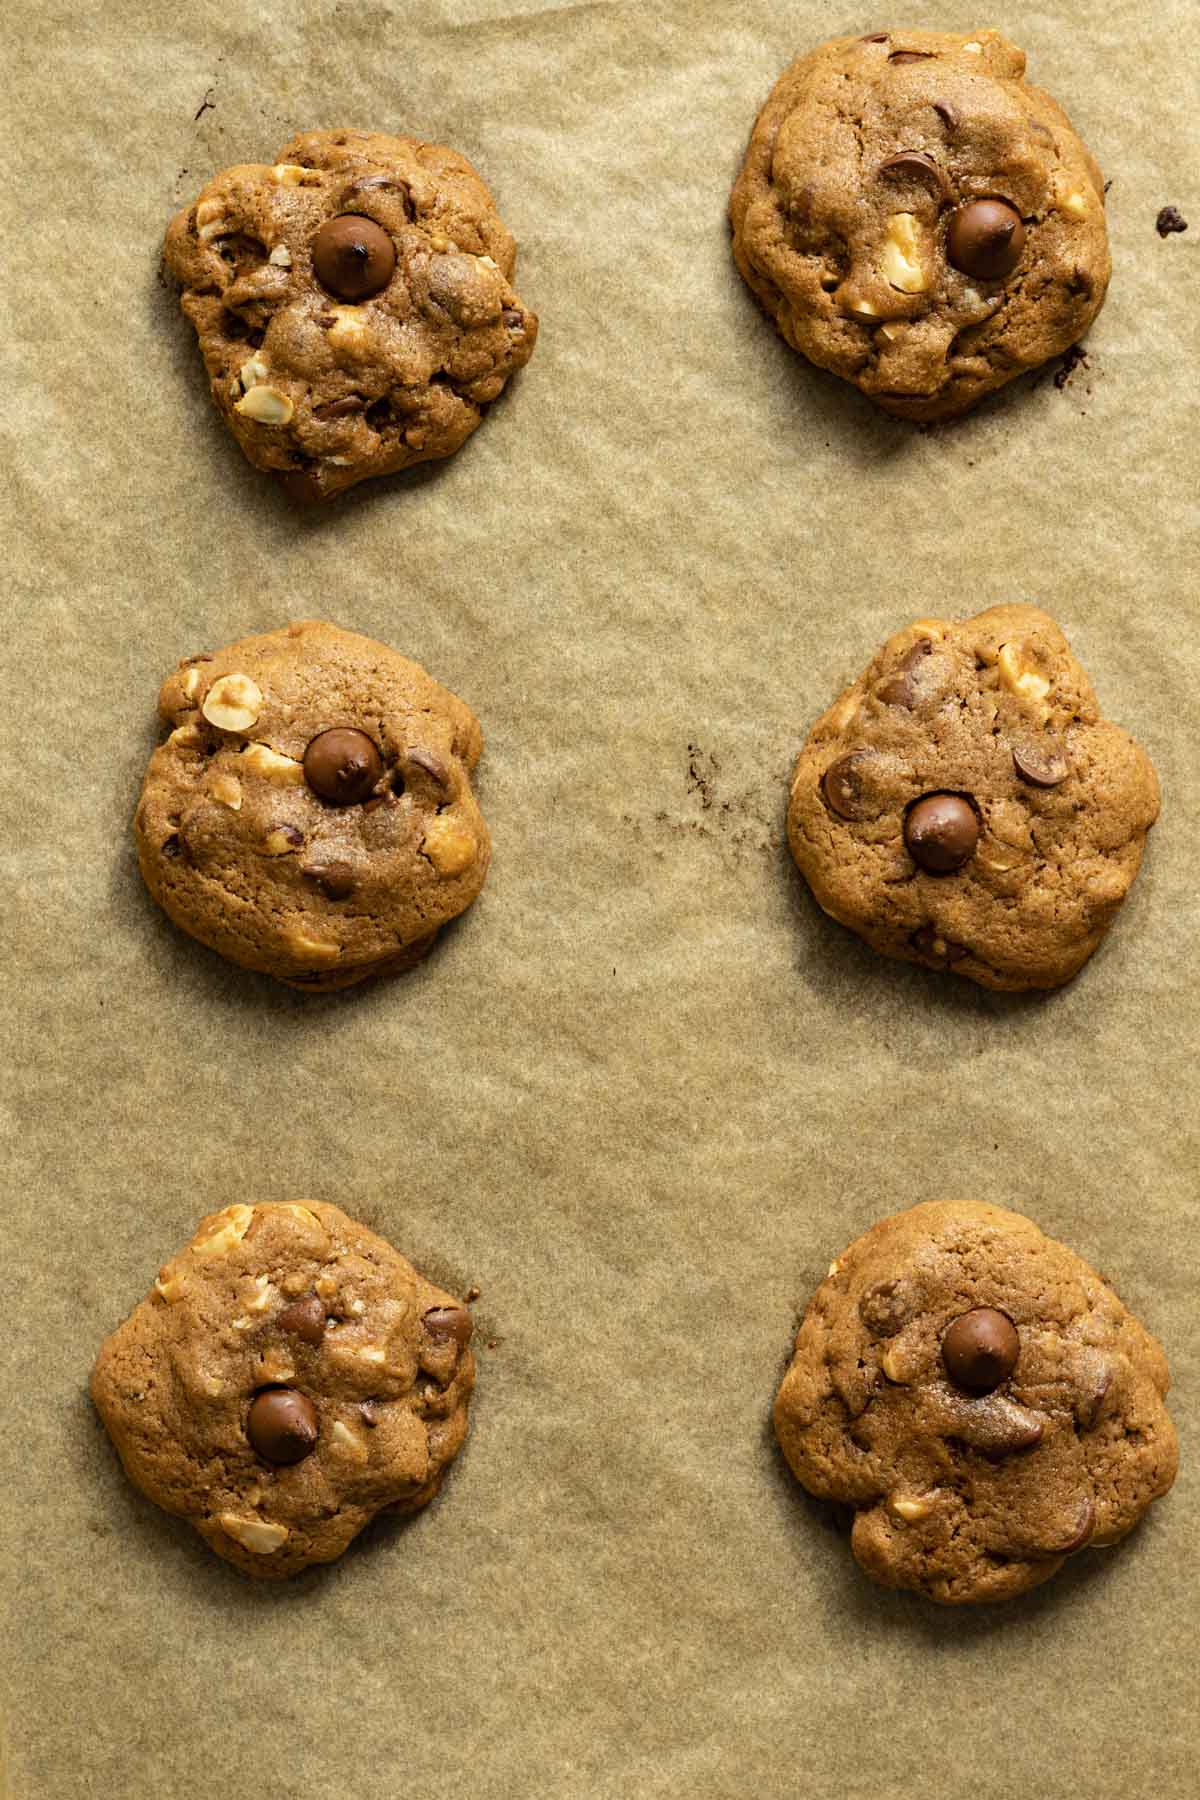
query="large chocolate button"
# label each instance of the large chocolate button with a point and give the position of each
(985, 239)
(941, 832)
(282, 1425)
(353, 258)
(342, 766)
(980, 1349)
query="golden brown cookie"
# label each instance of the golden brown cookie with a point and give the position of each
(353, 303)
(919, 219)
(982, 1399)
(288, 1376)
(309, 813)
(964, 805)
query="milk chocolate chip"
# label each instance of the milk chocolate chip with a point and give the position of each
(342, 766)
(916, 164)
(842, 786)
(1043, 766)
(305, 1319)
(941, 832)
(282, 1425)
(980, 1349)
(985, 239)
(353, 257)
(449, 1322)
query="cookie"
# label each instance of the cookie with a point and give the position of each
(353, 303)
(310, 812)
(980, 1397)
(918, 219)
(288, 1376)
(965, 806)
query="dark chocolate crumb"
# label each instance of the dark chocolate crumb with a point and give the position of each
(1074, 357)
(1169, 219)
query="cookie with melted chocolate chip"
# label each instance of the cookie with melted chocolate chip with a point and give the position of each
(354, 305)
(919, 219)
(288, 1376)
(309, 812)
(980, 1397)
(965, 805)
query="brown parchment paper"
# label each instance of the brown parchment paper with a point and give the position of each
(644, 1092)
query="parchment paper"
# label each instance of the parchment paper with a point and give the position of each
(644, 1092)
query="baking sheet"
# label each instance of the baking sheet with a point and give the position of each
(644, 1091)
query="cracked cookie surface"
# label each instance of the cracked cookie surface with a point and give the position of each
(289, 1376)
(970, 1492)
(310, 812)
(919, 219)
(353, 303)
(965, 806)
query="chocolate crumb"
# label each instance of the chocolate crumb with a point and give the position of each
(1068, 364)
(1169, 219)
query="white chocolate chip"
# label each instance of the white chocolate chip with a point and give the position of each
(346, 1440)
(341, 462)
(293, 175)
(892, 1366)
(844, 710)
(487, 263)
(227, 790)
(889, 333)
(185, 737)
(1076, 203)
(310, 948)
(283, 771)
(295, 1211)
(227, 1229)
(858, 308)
(172, 1289)
(372, 1353)
(266, 406)
(357, 1307)
(449, 847)
(191, 683)
(253, 371)
(901, 260)
(1018, 677)
(911, 1507)
(834, 1267)
(258, 1535)
(233, 703)
(281, 256)
(973, 49)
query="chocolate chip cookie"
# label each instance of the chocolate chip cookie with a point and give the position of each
(288, 1376)
(982, 1399)
(354, 305)
(964, 805)
(309, 813)
(918, 219)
